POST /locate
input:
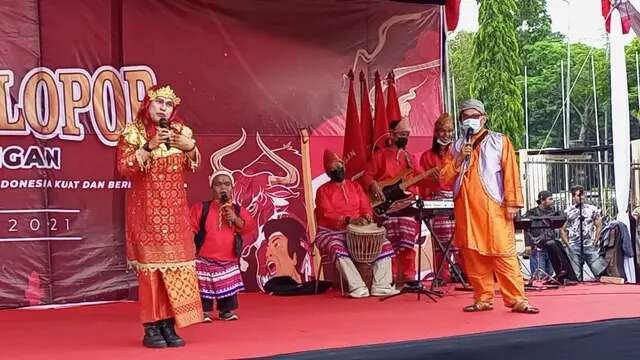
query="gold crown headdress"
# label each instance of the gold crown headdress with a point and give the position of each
(165, 92)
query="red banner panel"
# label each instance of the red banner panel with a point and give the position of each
(251, 75)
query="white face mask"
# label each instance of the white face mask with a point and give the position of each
(472, 123)
(443, 143)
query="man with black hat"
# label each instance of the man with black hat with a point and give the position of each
(536, 238)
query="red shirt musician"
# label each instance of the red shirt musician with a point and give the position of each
(435, 188)
(386, 164)
(341, 202)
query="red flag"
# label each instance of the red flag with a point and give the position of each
(452, 10)
(381, 125)
(625, 18)
(393, 106)
(366, 122)
(354, 156)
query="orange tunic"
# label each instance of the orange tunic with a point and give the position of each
(483, 230)
(482, 224)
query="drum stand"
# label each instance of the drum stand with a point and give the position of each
(547, 278)
(419, 288)
(581, 227)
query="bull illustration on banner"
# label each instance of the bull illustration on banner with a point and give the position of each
(280, 247)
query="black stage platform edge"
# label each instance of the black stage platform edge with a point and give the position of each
(615, 339)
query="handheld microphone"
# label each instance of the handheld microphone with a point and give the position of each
(468, 138)
(224, 199)
(163, 123)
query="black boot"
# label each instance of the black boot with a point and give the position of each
(152, 336)
(169, 333)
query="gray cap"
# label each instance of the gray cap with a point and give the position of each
(472, 104)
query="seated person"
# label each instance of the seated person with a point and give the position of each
(548, 255)
(536, 238)
(341, 202)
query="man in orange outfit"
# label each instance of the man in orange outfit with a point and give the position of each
(385, 164)
(487, 195)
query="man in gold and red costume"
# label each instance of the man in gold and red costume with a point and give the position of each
(154, 152)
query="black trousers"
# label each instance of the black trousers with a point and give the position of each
(559, 260)
(224, 305)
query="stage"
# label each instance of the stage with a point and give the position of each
(397, 328)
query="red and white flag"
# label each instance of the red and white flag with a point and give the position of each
(626, 11)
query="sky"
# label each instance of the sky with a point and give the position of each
(586, 24)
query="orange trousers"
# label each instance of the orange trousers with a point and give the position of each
(169, 294)
(480, 270)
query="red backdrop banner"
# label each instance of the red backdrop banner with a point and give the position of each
(251, 75)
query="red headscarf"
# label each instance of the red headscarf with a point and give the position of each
(329, 159)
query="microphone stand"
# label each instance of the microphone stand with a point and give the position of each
(419, 288)
(581, 226)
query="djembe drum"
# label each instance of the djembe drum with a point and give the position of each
(365, 242)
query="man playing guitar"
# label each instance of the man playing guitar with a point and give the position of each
(388, 163)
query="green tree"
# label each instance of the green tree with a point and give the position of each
(497, 64)
(532, 22)
(461, 51)
(545, 92)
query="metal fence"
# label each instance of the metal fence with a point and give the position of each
(558, 173)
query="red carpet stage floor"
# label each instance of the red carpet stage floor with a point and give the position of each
(276, 325)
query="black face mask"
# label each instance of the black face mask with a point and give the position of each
(337, 174)
(401, 142)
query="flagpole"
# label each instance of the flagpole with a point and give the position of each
(595, 100)
(638, 80)
(455, 105)
(564, 131)
(568, 91)
(564, 116)
(526, 110)
(445, 50)
(595, 110)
